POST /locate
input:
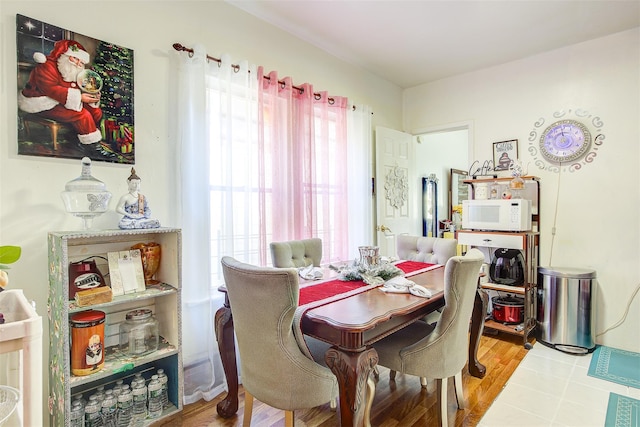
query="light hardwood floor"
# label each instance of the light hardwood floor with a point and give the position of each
(397, 403)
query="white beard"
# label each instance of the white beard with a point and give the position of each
(68, 70)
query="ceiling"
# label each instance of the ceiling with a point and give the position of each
(413, 42)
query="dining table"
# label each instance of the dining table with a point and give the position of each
(350, 317)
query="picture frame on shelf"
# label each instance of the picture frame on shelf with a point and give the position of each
(504, 154)
(126, 272)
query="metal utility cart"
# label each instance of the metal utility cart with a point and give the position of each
(528, 242)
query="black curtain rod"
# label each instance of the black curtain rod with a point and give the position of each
(181, 48)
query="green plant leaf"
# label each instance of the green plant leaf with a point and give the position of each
(9, 254)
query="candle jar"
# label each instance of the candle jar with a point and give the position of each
(369, 256)
(139, 333)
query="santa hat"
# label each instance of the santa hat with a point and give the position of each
(63, 47)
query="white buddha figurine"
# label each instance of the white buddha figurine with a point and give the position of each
(134, 207)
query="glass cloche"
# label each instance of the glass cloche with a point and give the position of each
(86, 197)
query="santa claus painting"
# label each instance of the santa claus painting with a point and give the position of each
(75, 94)
(54, 93)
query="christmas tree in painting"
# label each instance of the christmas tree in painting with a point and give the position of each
(115, 65)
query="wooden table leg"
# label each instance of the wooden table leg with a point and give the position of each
(476, 368)
(226, 345)
(352, 370)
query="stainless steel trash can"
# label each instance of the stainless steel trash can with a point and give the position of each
(566, 308)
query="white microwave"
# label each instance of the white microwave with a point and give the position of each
(497, 214)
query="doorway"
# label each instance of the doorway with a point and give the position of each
(437, 153)
(430, 151)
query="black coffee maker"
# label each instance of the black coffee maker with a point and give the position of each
(507, 267)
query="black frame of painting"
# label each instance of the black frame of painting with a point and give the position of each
(504, 150)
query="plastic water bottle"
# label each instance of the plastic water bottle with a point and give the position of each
(92, 416)
(164, 380)
(155, 397)
(77, 414)
(109, 409)
(117, 388)
(80, 398)
(125, 407)
(139, 393)
(138, 377)
(100, 393)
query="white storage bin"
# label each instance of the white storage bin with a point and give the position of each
(21, 347)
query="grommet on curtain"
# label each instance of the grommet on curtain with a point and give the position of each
(236, 69)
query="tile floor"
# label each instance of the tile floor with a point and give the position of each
(551, 388)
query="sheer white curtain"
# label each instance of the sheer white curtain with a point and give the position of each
(214, 103)
(360, 174)
(238, 139)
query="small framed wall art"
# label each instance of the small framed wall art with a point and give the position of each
(504, 154)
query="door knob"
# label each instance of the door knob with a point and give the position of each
(383, 228)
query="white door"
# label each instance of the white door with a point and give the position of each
(396, 189)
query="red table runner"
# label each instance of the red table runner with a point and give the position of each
(331, 288)
(410, 267)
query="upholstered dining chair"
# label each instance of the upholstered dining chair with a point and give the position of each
(439, 350)
(434, 250)
(296, 253)
(275, 369)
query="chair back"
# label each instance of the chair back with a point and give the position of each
(448, 343)
(296, 253)
(434, 250)
(263, 301)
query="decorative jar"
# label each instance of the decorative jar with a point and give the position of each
(86, 197)
(139, 333)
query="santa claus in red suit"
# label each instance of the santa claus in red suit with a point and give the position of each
(52, 91)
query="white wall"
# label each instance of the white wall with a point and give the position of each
(30, 187)
(438, 153)
(597, 213)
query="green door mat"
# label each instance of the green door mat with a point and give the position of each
(622, 411)
(618, 366)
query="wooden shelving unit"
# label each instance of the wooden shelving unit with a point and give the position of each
(163, 299)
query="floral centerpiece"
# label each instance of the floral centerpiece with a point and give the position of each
(8, 255)
(371, 275)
